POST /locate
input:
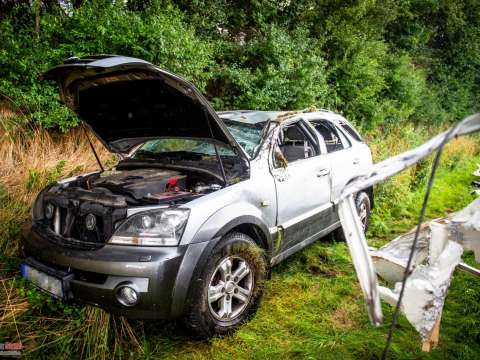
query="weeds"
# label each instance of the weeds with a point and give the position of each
(32, 157)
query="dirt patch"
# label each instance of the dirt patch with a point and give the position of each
(345, 317)
(323, 271)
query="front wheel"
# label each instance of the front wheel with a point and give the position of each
(230, 287)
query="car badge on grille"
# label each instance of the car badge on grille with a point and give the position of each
(90, 222)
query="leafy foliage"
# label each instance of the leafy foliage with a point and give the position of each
(277, 70)
(378, 62)
(159, 35)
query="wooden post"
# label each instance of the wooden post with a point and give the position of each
(434, 337)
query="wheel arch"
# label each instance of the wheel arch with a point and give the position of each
(251, 226)
(198, 253)
(369, 192)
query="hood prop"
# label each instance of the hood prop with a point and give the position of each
(93, 148)
(222, 169)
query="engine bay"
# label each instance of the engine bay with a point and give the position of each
(148, 185)
(144, 186)
(102, 199)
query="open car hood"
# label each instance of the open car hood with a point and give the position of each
(126, 101)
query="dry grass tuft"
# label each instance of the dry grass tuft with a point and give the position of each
(466, 146)
(96, 335)
(30, 157)
(5, 112)
(12, 305)
(104, 334)
(345, 317)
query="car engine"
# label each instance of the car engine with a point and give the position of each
(85, 212)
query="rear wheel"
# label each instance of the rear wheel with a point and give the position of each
(229, 289)
(363, 206)
(362, 203)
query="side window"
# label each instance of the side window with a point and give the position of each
(334, 139)
(293, 145)
(353, 133)
(344, 140)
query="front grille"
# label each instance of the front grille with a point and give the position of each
(80, 231)
(66, 242)
(69, 223)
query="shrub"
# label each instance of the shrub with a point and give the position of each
(159, 35)
(275, 70)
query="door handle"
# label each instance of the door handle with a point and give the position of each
(356, 161)
(323, 172)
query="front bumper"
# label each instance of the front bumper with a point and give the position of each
(97, 273)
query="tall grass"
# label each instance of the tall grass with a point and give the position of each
(399, 197)
(30, 158)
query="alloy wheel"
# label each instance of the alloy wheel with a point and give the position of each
(363, 214)
(230, 288)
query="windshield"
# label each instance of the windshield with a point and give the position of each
(249, 136)
(182, 148)
(191, 154)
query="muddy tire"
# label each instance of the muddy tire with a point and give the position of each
(229, 289)
(363, 206)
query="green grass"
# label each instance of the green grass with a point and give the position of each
(312, 306)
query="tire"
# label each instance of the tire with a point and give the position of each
(363, 206)
(211, 316)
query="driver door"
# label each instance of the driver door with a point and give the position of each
(303, 185)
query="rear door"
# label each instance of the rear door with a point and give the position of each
(303, 184)
(343, 156)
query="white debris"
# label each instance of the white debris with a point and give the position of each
(391, 260)
(426, 290)
(438, 252)
(466, 228)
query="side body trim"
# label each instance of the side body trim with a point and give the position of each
(299, 246)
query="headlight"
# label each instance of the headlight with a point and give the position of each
(49, 210)
(38, 209)
(163, 227)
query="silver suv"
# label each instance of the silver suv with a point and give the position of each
(200, 205)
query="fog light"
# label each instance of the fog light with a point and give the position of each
(49, 210)
(127, 296)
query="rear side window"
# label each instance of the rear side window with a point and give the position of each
(334, 139)
(351, 131)
(343, 138)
